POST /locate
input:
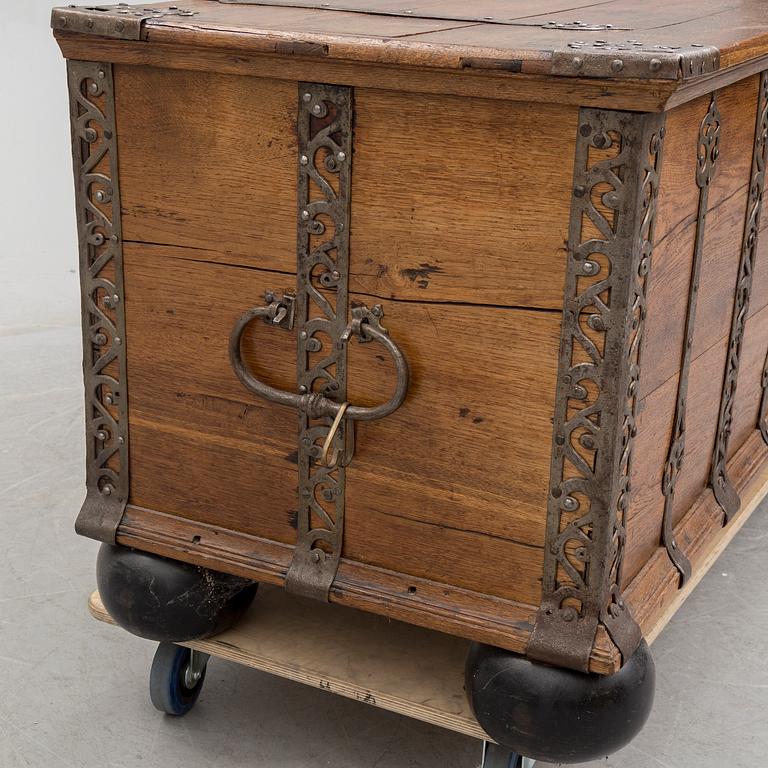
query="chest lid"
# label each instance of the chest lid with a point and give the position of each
(618, 39)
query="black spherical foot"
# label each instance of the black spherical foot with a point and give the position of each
(167, 600)
(557, 715)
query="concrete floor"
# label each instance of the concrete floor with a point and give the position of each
(74, 693)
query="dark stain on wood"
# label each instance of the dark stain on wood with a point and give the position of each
(421, 274)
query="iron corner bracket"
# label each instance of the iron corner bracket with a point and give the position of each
(100, 245)
(610, 242)
(633, 59)
(120, 21)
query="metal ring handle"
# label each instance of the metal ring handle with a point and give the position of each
(365, 326)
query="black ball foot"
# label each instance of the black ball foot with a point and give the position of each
(167, 600)
(557, 715)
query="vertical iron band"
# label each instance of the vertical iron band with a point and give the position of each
(722, 487)
(97, 199)
(707, 153)
(324, 186)
(610, 240)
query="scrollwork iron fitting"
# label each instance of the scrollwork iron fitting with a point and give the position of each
(707, 153)
(97, 198)
(319, 310)
(722, 487)
(610, 242)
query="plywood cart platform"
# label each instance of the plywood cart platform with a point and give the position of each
(389, 664)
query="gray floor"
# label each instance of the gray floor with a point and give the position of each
(73, 692)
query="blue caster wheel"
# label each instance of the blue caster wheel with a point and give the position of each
(495, 756)
(176, 678)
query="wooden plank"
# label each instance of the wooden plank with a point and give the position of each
(739, 31)
(388, 664)
(203, 447)
(453, 199)
(653, 595)
(654, 427)
(261, 59)
(676, 230)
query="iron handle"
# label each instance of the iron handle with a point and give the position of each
(365, 325)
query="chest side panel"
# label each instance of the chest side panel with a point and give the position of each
(668, 306)
(458, 223)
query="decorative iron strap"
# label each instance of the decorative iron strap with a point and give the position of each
(723, 488)
(97, 196)
(324, 180)
(319, 309)
(762, 419)
(616, 181)
(708, 150)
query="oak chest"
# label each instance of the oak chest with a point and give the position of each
(456, 313)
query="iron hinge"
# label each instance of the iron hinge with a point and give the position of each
(121, 21)
(634, 59)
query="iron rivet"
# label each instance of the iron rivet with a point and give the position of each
(303, 335)
(655, 65)
(101, 435)
(120, 25)
(579, 190)
(107, 490)
(570, 504)
(114, 238)
(302, 390)
(100, 196)
(617, 65)
(94, 88)
(315, 557)
(578, 62)
(585, 129)
(108, 399)
(341, 156)
(102, 74)
(303, 159)
(100, 339)
(118, 340)
(335, 274)
(595, 322)
(121, 440)
(621, 604)
(340, 226)
(316, 110)
(90, 135)
(305, 215)
(307, 97)
(590, 267)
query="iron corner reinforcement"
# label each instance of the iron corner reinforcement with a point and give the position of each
(609, 255)
(97, 196)
(121, 21)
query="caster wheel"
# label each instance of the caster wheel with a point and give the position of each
(176, 678)
(166, 600)
(495, 756)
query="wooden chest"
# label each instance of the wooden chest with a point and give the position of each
(456, 313)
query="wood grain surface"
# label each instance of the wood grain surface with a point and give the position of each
(460, 200)
(203, 447)
(389, 664)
